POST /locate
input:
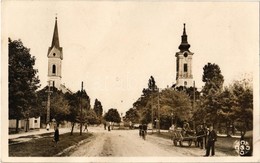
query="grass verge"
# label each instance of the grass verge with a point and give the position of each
(223, 144)
(44, 147)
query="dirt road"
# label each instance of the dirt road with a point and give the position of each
(127, 143)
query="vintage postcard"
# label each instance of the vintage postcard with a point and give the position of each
(129, 81)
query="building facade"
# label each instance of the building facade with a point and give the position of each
(184, 75)
(55, 57)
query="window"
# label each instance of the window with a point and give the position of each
(185, 83)
(54, 54)
(35, 121)
(53, 69)
(185, 67)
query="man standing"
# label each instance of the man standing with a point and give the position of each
(212, 137)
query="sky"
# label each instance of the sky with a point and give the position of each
(114, 47)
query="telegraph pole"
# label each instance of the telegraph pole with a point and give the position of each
(81, 117)
(159, 110)
(48, 103)
(152, 113)
(193, 105)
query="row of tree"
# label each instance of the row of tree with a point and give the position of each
(229, 107)
(26, 101)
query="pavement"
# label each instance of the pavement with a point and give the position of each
(38, 132)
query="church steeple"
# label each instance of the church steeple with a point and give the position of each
(184, 46)
(184, 75)
(55, 38)
(55, 57)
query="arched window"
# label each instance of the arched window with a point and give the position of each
(185, 83)
(54, 54)
(53, 69)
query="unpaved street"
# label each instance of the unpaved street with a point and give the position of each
(128, 143)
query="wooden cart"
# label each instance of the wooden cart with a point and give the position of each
(178, 136)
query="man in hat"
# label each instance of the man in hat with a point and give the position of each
(212, 137)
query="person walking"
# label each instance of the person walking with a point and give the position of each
(108, 127)
(212, 137)
(86, 127)
(56, 135)
(105, 125)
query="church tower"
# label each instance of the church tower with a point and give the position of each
(55, 57)
(184, 75)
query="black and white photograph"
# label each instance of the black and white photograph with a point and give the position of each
(129, 81)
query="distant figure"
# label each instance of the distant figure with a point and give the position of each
(108, 127)
(140, 130)
(205, 130)
(186, 131)
(86, 127)
(130, 125)
(105, 125)
(48, 127)
(212, 137)
(56, 135)
(172, 127)
(200, 135)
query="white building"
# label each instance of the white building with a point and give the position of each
(184, 75)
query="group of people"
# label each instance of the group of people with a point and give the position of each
(142, 130)
(209, 136)
(204, 136)
(107, 125)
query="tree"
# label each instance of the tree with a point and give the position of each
(60, 104)
(132, 115)
(98, 108)
(74, 111)
(211, 91)
(243, 104)
(174, 105)
(92, 117)
(213, 79)
(112, 116)
(23, 81)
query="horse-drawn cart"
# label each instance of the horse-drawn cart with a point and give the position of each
(180, 136)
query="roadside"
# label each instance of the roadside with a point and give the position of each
(223, 144)
(44, 146)
(34, 134)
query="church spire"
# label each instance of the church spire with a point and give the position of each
(55, 38)
(184, 46)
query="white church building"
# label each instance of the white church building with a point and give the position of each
(55, 57)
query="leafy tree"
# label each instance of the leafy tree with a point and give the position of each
(59, 108)
(74, 104)
(92, 117)
(176, 105)
(112, 116)
(22, 83)
(59, 104)
(132, 115)
(211, 91)
(98, 108)
(243, 104)
(213, 79)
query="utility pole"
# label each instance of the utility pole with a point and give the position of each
(48, 103)
(81, 117)
(193, 104)
(152, 113)
(159, 110)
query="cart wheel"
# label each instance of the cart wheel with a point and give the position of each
(189, 143)
(175, 142)
(181, 143)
